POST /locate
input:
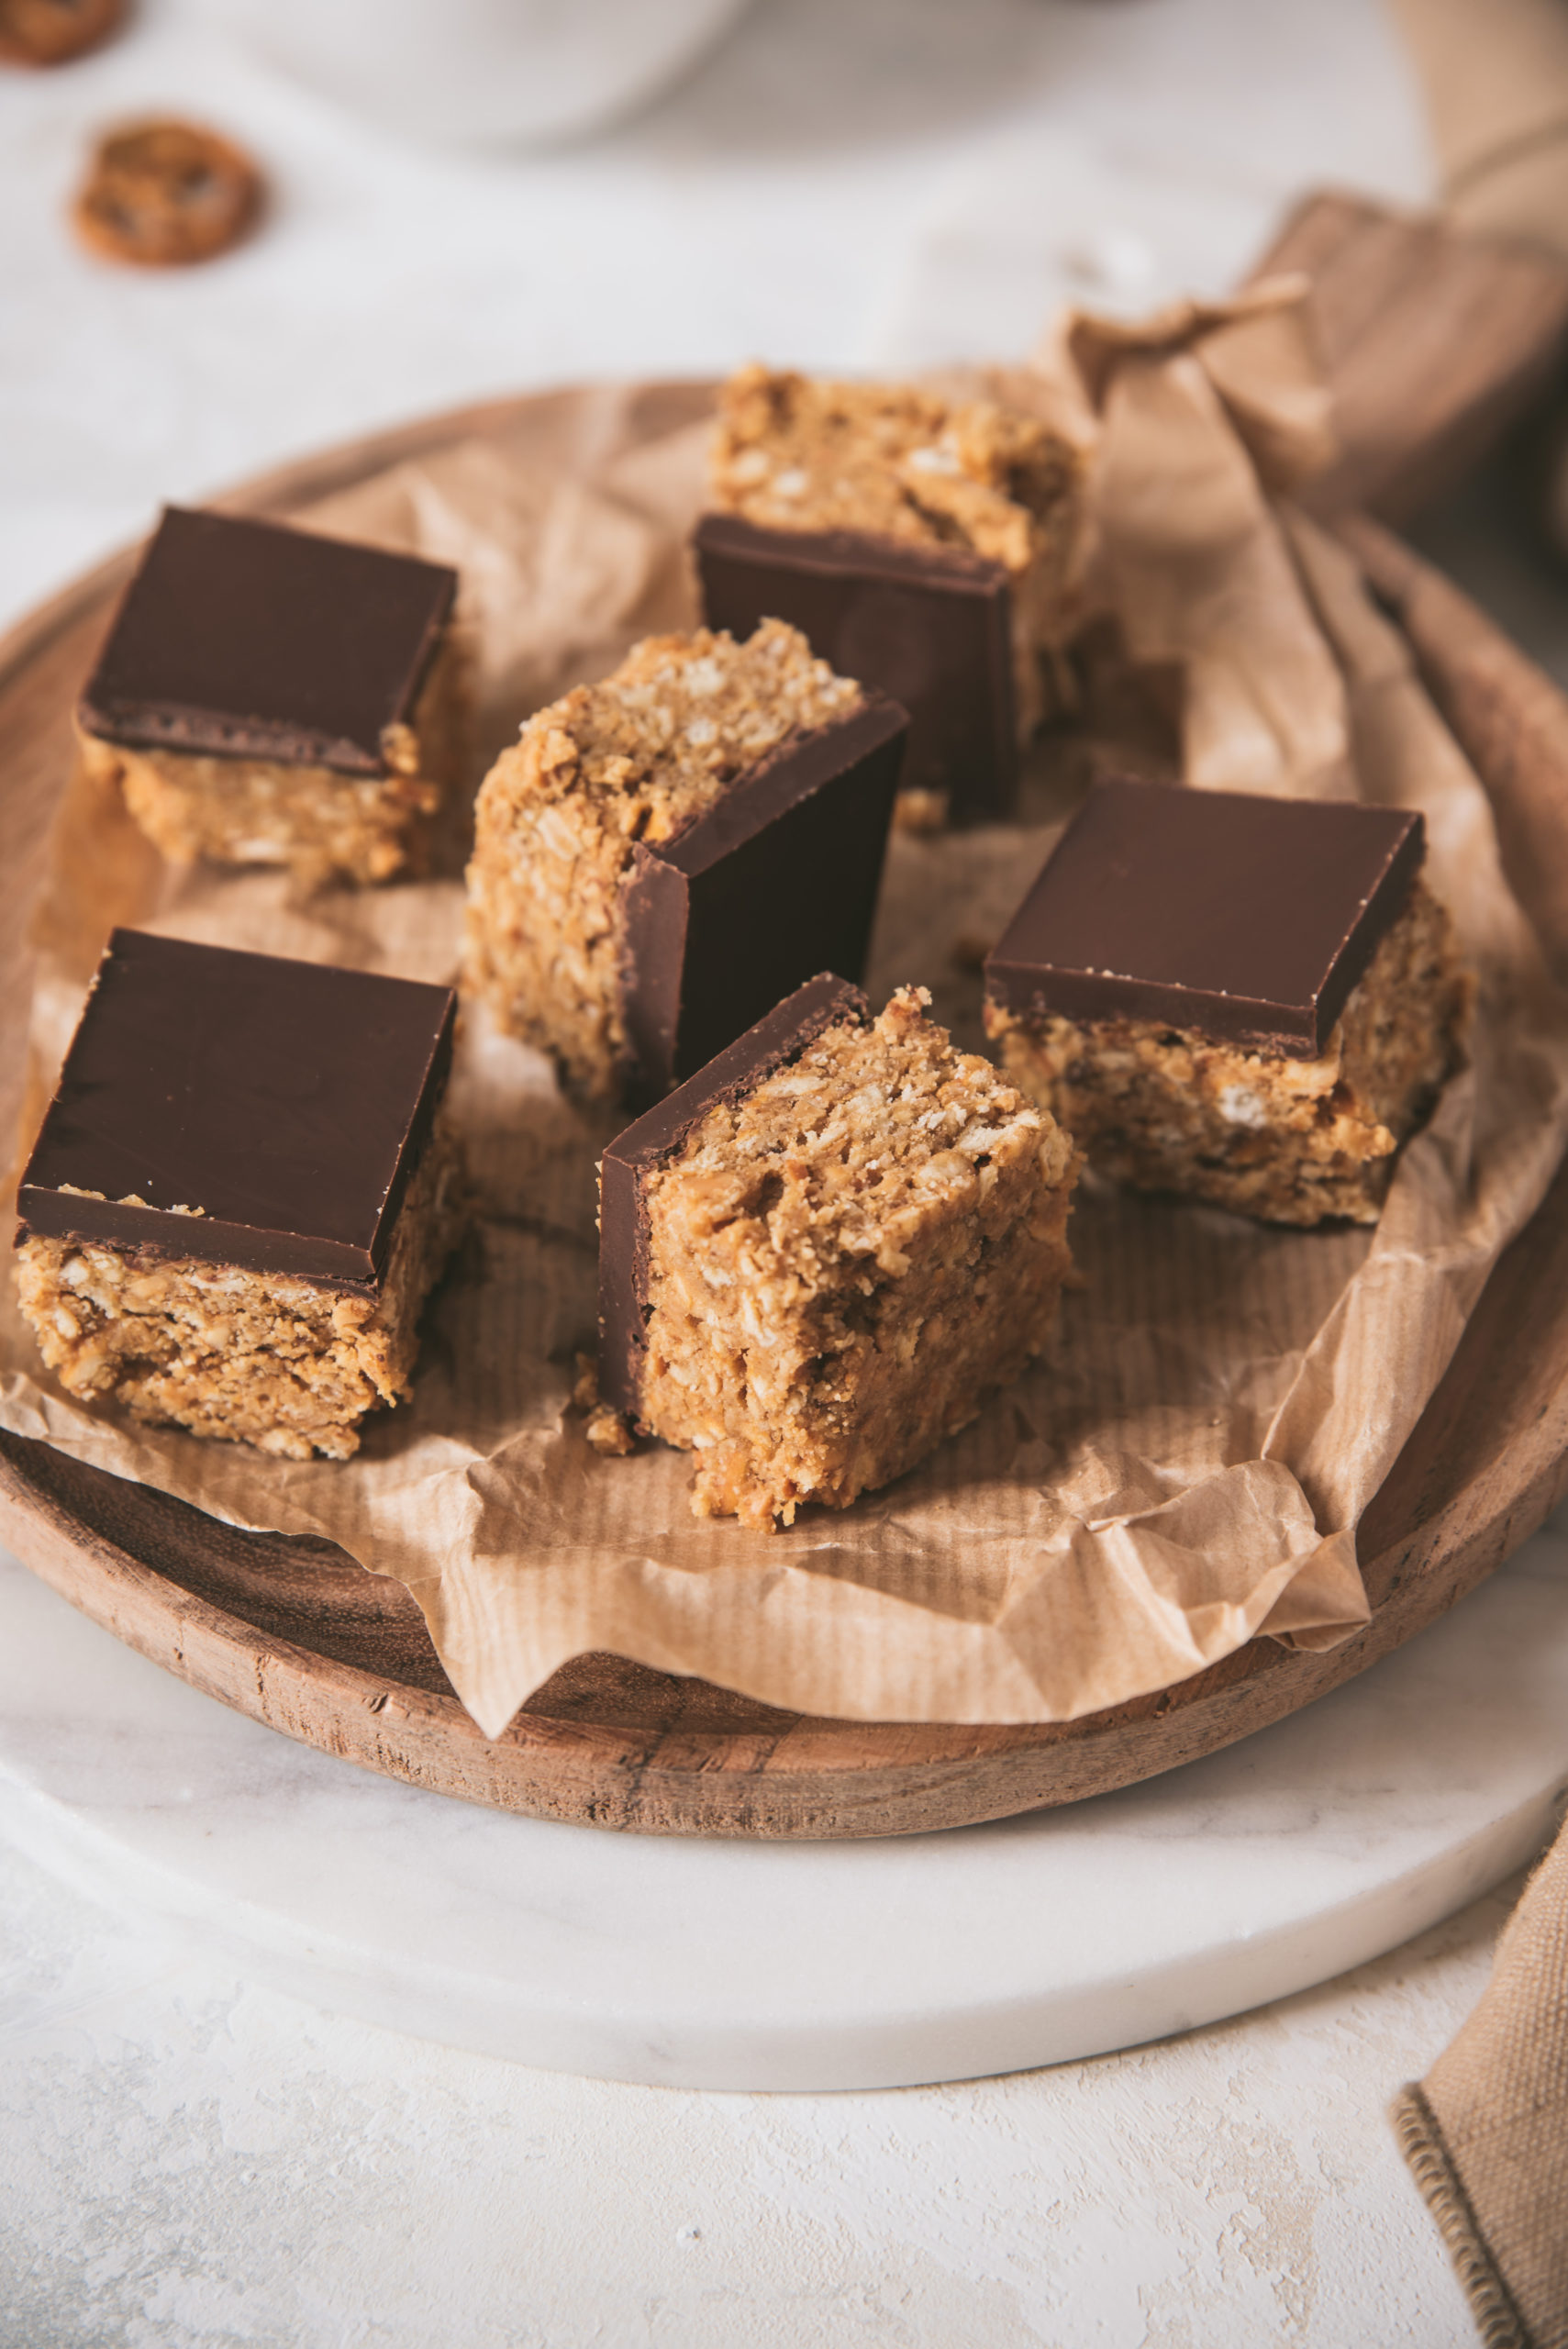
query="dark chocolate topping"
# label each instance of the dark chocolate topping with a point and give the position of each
(930, 626)
(1245, 920)
(243, 640)
(289, 1102)
(777, 879)
(786, 1032)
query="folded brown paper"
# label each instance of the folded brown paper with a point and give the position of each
(1205, 415)
(1486, 2131)
(1188, 1463)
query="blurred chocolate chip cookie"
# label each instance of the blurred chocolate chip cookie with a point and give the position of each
(51, 32)
(163, 193)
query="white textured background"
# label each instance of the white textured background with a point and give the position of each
(185, 2162)
(844, 182)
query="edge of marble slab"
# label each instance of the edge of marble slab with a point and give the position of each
(1103, 2008)
(482, 2015)
(1017, 2035)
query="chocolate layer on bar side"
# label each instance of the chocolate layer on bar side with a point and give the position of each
(930, 626)
(244, 639)
(1246, 919)
(786, 1032)
(777, 879)
(288, 1102)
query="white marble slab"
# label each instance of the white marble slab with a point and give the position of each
(1305, 1850)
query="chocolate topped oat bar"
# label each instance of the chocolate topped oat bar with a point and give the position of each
(665, 855)
(269, 695)
(243, 1191)
(921, 544)
(1252, 1000)
(825, 1251)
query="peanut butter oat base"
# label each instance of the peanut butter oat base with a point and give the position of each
(792, 453)
(845, 1265)
(289, 1365)
(319, 823)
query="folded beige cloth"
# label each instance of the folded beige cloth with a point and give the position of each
(1487, 2131)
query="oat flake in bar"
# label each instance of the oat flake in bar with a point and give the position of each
(242, 1193)
(823, 1253)
(1250, 1001)
(269, 696)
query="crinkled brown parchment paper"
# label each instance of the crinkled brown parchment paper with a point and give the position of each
(1188, 1463)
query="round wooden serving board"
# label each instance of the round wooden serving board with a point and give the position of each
(295, 1633)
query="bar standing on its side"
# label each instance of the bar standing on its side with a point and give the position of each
(825, 1251)
(664, 855)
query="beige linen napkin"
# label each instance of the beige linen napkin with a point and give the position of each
(1486, 2131)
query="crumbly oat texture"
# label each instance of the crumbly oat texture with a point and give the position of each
(322, 824)
(260, 1358)
(634, 758)
(792, 453)
(844, 1265)
(1287, 1140)
(602, 1424)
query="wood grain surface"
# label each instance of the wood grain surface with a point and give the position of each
(1434, 341)
(292, 1632)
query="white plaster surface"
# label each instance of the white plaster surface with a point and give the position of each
(187, 2161)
